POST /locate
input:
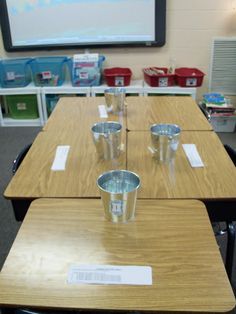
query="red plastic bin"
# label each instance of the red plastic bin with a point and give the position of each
(154, 77)
(189, 77)
(117, 76)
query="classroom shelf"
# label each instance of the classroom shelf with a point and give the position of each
(170, 90)
(137, 87)
(66, 88)
(27, 90)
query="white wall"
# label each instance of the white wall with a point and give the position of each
(191, 26)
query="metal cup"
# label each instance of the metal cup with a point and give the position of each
(107, 139)
(165, 141)
(118, 189)
(115, 99)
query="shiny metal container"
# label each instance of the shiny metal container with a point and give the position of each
(115, 99)
(165, 141)
(107, 139)
(118, 189)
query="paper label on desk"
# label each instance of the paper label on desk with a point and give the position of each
(59, 163)
(110, 275)
(193, 155)
(102, 111)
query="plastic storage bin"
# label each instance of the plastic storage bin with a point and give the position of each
(86, 71)
(158, 77)
(117, 76)
(223, 123)
(22, 106)
(1, 73)
(189, 77)
(49, 71)
(15, 72)
(51, 101)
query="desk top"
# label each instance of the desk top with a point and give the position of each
(142, 112)
(173, 237)
(216, 180)
(76, 113)
(35, 179)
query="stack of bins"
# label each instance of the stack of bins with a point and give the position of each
(189, 77)
(158, 77)
(16, 73)
(117, 76)
(86, 69)
(49, 71)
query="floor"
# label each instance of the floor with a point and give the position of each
(12, 140)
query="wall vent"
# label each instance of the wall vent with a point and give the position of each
(223, 66)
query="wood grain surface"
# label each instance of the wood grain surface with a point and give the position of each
(35, 178)
(144, 111)
(174, 237)
(216, 180)
(77, 113)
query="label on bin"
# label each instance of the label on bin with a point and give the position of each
(89, 57)
(163, 81)
(83, 75)
(116, 207)
(119, 81)
(21, 106)
(10, 76)
(46, 75)
(191, 82)
(110, 275)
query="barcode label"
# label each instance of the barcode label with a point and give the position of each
(92, 276)
(111, 275)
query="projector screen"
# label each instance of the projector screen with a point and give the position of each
(45, 24)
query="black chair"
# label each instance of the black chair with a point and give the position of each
(204, 111)
(215, 209)
(231, 152)
(20, 207)
(19, 158)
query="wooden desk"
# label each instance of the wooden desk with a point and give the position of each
(76, 113)
(35, 178)
(142, 112)
(173, 237)
(217, 180)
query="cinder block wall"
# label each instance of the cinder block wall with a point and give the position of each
(191, 27)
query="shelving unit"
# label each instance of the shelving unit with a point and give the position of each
(28, 90)
(66, 88)
(170, 90)
(136, 87)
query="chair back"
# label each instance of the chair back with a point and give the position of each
(231, 152)
(19, 158)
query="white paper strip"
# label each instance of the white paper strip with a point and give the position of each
(110, 275)
(102, 111)
(59, 162)
(193, 155)
(151, 150)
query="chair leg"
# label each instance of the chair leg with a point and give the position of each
(7, 310)
(20, 208)
(230, 249)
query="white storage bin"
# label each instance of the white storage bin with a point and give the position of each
(223, 124)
